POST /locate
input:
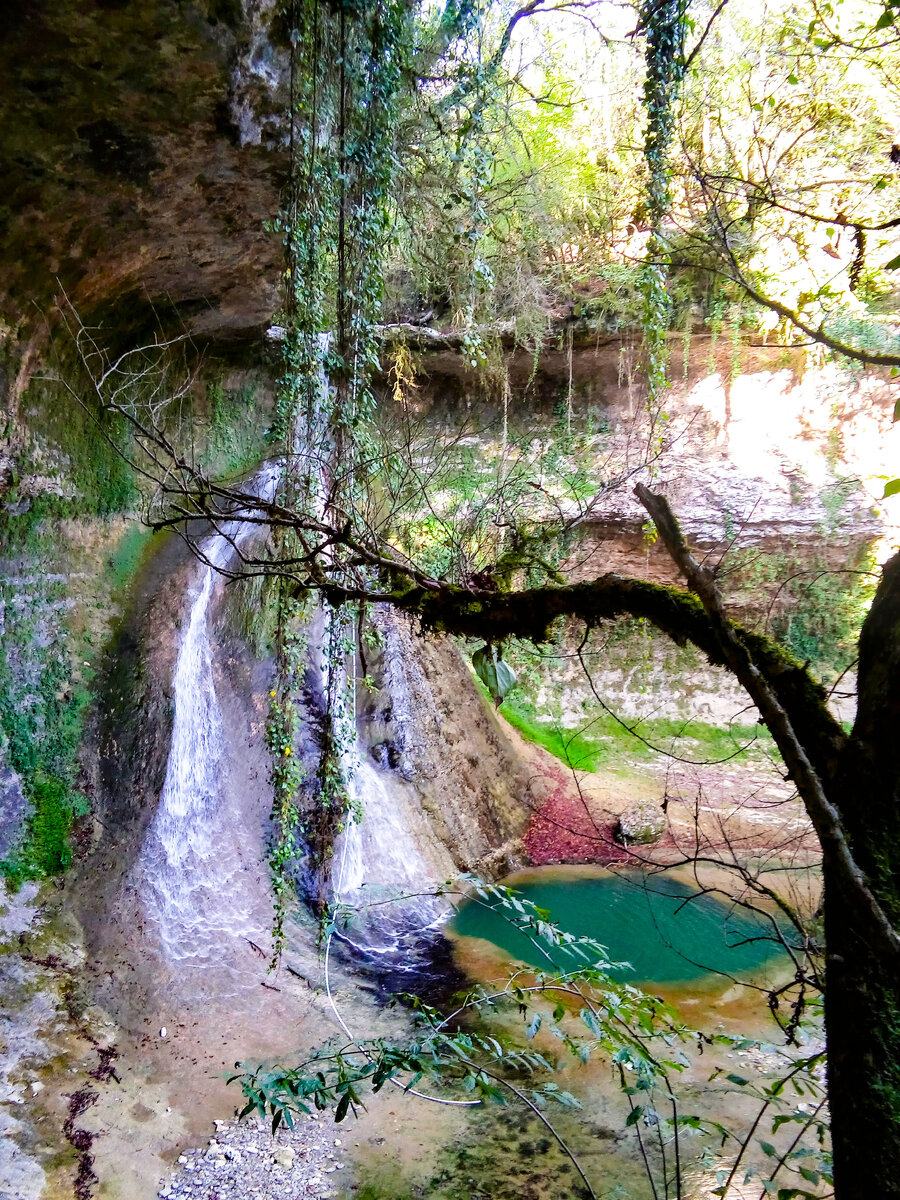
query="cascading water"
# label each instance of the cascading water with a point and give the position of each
(379, 856)
(191, 863)
(194, 863)
(382, 872)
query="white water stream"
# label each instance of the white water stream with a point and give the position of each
(382, 860)
(191, 860)
(380, 855)
(197, 855)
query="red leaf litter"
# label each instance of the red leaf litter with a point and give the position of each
(563, 829)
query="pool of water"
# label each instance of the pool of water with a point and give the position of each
(663, 927)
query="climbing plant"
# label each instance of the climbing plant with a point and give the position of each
(346, 74)
(664, 26)
(287, 771)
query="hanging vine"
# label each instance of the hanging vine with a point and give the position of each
(287, 774)
(664, 24)
(346, 69)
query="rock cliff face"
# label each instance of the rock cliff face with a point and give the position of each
(140, 159)
(774, 458)
(427, 723)
(758, 445)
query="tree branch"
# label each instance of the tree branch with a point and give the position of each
(737, 656)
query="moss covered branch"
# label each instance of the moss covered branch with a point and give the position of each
(531, 613)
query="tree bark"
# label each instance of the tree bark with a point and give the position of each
(862, 997)
(854, 805)
(862, 1031)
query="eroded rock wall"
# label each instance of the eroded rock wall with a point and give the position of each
(426, 721)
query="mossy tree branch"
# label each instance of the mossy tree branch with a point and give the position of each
(531, 613)
(814, 783)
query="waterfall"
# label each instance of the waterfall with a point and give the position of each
(384, 877)
(190, 862)
(379, 856)
(196, 860)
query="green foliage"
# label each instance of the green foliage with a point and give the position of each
(615, 1019)
(664, 25)
(46, 681)
(80, 451)
(347, 77)
(287, 774)
(496, 675)
(489, 513)
(507, 207)
(128, 556)
(50, 824)
(815, 611)
(548, 209)
(347, 80)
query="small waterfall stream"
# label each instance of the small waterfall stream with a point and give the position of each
(191, 860)
(380, 856)
(383, 872)
(196, 860)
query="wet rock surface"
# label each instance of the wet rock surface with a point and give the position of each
(243, 1159)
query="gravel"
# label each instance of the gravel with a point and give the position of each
(243, 1161)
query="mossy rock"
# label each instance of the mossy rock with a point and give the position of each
(641, 824)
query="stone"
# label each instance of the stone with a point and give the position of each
(641, 824)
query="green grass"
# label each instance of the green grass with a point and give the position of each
(577, 750)
(603, 742)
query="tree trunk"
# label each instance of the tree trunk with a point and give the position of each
(862, 1027)
(862, 984)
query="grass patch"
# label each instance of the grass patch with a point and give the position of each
(602, 742)
(577, 750)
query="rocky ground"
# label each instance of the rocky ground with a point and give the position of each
(243, 1161)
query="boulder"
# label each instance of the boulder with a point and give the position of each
(641, 824)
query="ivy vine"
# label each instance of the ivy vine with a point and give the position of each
(664, 23)
(348, 60)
